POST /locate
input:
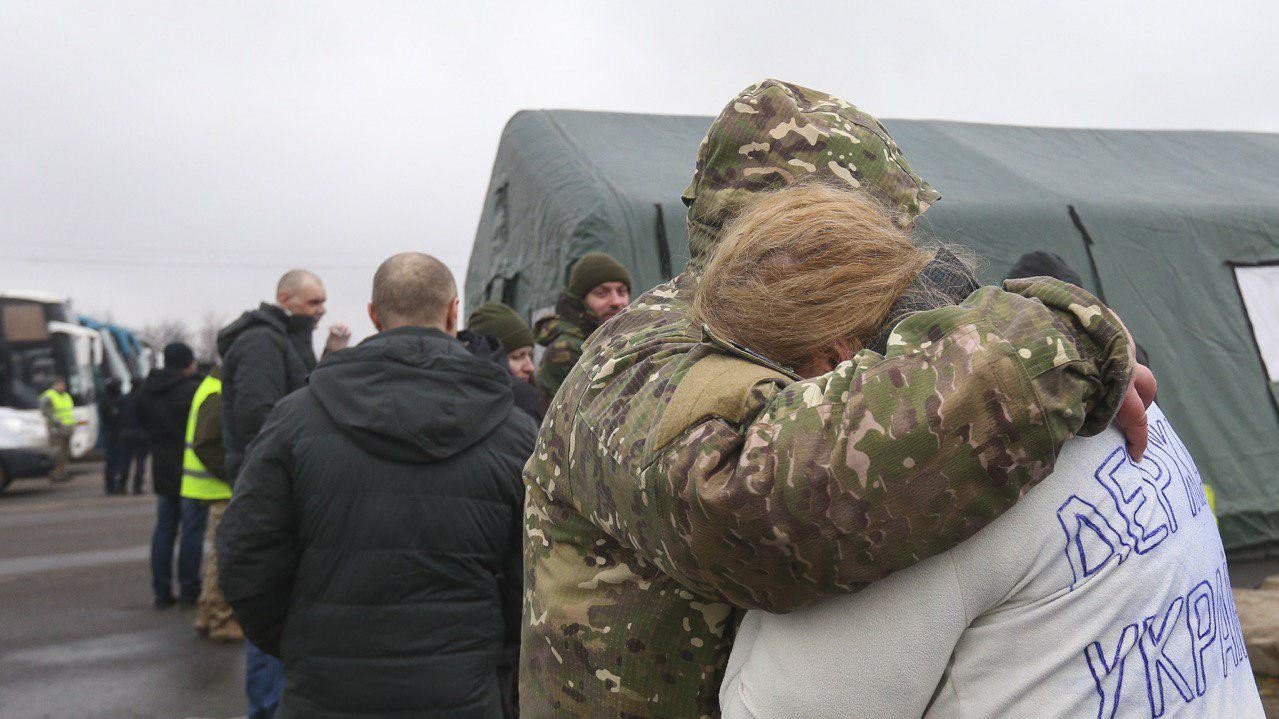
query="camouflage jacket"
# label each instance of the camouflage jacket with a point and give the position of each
(562, 334)
(675, 480)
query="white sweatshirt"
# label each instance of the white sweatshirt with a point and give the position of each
(1102, 594)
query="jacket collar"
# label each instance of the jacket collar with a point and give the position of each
(573, 311)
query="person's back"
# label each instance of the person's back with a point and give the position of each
(1103, 593)
(109, 424)
(128, 422)
(266, 354)
(162, 407)
(109, 411)
(261, 363)
(373, 542)
(133, 438)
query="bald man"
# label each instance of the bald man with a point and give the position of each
(266, 354)
(374, 539)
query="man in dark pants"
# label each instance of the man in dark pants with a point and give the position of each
(113, 477)
(266, 354)
(134, 446)
(163, 406)
(380, 511)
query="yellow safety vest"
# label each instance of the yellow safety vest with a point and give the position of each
(63, 405)
(197, 483)
(1211, 495)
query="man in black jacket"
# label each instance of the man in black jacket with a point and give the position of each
(374, 539)
(266, 354)
(109, 429)
(163, 405)
(135, 446)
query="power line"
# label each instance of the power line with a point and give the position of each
(193, 264)
(167, 249)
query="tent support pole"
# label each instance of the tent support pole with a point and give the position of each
(663, 247)
(1088, 243)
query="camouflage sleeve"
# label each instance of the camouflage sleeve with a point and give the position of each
(557, 362)
(207, 442)
(845, 478)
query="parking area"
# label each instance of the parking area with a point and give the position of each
(79, 638)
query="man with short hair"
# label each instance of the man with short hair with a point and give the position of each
(373, 540)
(266, 354)
(598, 288)
(58, 408)
(163, 406)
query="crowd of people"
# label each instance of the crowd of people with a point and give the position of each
(821, 472)
(445, 416)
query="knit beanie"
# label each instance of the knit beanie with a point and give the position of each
(503, 323)
(595, 268)
(178, 355)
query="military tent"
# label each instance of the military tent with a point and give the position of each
(1178, 231)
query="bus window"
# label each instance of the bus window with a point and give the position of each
(33, 370)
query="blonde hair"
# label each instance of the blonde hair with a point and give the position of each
(803, 267)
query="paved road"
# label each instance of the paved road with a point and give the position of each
(78, 636)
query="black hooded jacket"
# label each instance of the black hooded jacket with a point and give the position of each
(1050, 264)
(163, 404)
(266, 354)
(374, 539)
(527, 397)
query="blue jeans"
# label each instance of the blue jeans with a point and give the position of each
(173, 513)
(263, 681)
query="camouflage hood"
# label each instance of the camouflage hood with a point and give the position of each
(773, 134)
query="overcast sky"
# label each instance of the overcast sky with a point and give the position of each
(170, 160)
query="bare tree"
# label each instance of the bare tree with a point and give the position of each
(159, 334)
(206, 338)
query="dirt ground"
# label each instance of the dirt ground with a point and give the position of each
(1269, 688)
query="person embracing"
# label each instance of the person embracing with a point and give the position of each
(1102, 592)
(679, 479)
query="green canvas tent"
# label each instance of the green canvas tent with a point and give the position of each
(1178, 231)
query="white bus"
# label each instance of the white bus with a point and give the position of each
(39, 340)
